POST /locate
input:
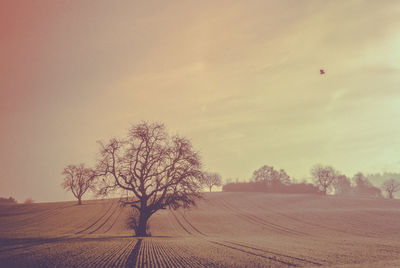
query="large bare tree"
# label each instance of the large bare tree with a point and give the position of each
(78, 179)
(324, 176)
(160, 171)
(212, 179)
(391, 186)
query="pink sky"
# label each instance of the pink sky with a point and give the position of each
(239, 78)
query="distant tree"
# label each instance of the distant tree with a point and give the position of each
(342, 185)
(323, 176)
(9, 200)
(212, 179)
(364, 187)
(284, 178)
(299, 188)
(270, 176)
(391, 186)
(29, 200)
(160, 171)
(78, 179)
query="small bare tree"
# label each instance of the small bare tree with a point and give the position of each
(323, 176)
(78, 179)
(160, 171)
(391, 186)
(211, 179)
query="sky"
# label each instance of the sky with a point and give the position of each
(240, 79)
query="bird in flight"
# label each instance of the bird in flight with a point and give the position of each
(321, 71)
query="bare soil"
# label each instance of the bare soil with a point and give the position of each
(224, 230)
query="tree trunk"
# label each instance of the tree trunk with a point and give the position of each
(210, 188)
(325, 188)
(390, 195)
(141, 227)
(79, 201)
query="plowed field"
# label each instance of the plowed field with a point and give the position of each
(224, 230)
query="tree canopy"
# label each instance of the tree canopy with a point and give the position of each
(212, 179)
(78, 179)
(159, 170)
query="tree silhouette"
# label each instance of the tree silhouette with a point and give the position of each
(364, 187)
(270, 176)
(342, 185)
(323, 176)
(212, 179)
(78, 179)
(391, 186)
(160, 171)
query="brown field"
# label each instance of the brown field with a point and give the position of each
(225, 230)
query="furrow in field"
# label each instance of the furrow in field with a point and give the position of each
(143, 258)
(167, 256)
(142, 255)
(146, 258)
(152, 254)
(123, 255)
(189, 259)
(113, 257)
(102, 256)
(132, 259)
(94, 217)
(191, 225)
(99, 219)
(106, 220)
(295, 219)
(292, 258)
(39, 218)
(249, 219)
(173, 224)
(264, 222)
(109, 259)
(274, 259)
(115, 220)
(164, 260)
(311, 223)
(179, 222)
(26, 244)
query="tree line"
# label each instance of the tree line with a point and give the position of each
(329, 179)
(325, 180)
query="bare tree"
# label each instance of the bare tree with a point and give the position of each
(391, 186)
(284, 178)
(364, 187)
(160, 171)
(323, 176)
(212, 179)
(342, 185)
(271, 176)
(78, 179)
